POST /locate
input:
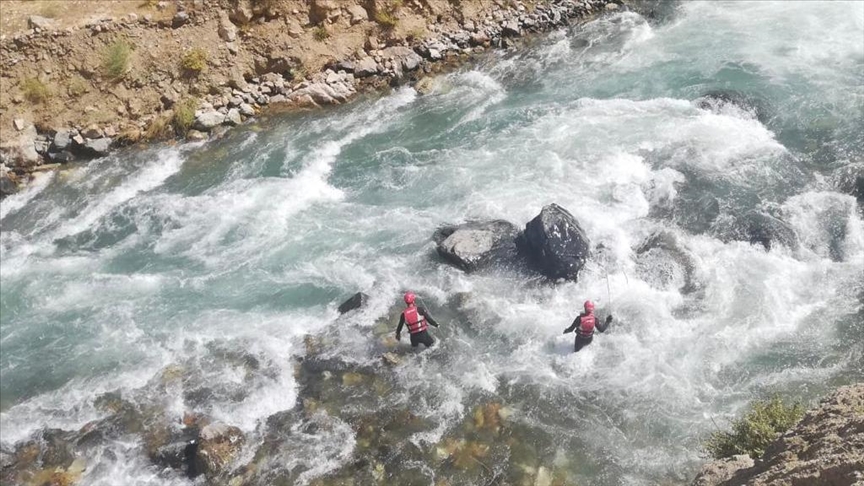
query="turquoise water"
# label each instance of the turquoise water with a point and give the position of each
(122, 266)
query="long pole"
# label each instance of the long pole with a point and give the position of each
(608, 290)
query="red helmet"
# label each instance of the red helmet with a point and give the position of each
(589, 306)
(409, 298)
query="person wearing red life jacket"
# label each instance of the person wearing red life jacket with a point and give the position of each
(418, 320)
(585, 324)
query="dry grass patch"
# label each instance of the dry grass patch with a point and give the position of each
(115, 59)
(35, 90)
(194, 61)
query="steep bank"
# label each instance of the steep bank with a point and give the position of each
(826, 447)
(77, 88)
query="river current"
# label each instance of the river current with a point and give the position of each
(117, 268)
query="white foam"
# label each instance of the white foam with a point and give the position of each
(167, 163)
(16, 201)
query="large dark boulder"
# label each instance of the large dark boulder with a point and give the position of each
(475, 245)
(555, 243)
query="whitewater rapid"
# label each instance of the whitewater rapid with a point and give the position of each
(115, 269)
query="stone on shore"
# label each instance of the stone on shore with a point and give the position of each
(98, 146)
(62, 140)
(233, 117)
(246, 109)
(556, 243)
(721, 470)
(180, 19)
(366, 67)
(405, 57)
(208, 120)
(92, 131)
(38, 22)
(19, 149)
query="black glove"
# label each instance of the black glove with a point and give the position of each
(608, 319)
(566, 331)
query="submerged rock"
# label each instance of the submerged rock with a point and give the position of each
(475, 245)
(717, 100)
(758, 228)
(850, 180)
(663, 260)
(556, 243)
(767, 230)
(207, 120)
(356, 301)
(218, 445)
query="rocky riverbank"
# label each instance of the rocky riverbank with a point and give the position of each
(192, 69)
(826, 447)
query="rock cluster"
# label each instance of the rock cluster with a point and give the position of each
(553, 244)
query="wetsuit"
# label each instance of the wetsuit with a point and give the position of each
(584, 340)
(418, 337)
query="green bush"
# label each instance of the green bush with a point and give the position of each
(194, 61)
(184, 115)
(115, 59)
(320, 33)
(35, 90)
(758, 428)
(387, 20)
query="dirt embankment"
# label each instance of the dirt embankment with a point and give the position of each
(826, 447)
(80, 78)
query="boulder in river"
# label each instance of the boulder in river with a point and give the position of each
(555, 243)
(356, 301)
(764, 229)
(474, 245)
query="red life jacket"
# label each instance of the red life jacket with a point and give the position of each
(416, 322)
(586, 325)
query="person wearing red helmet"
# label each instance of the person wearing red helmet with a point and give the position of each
(417, 319)
(584, 324)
